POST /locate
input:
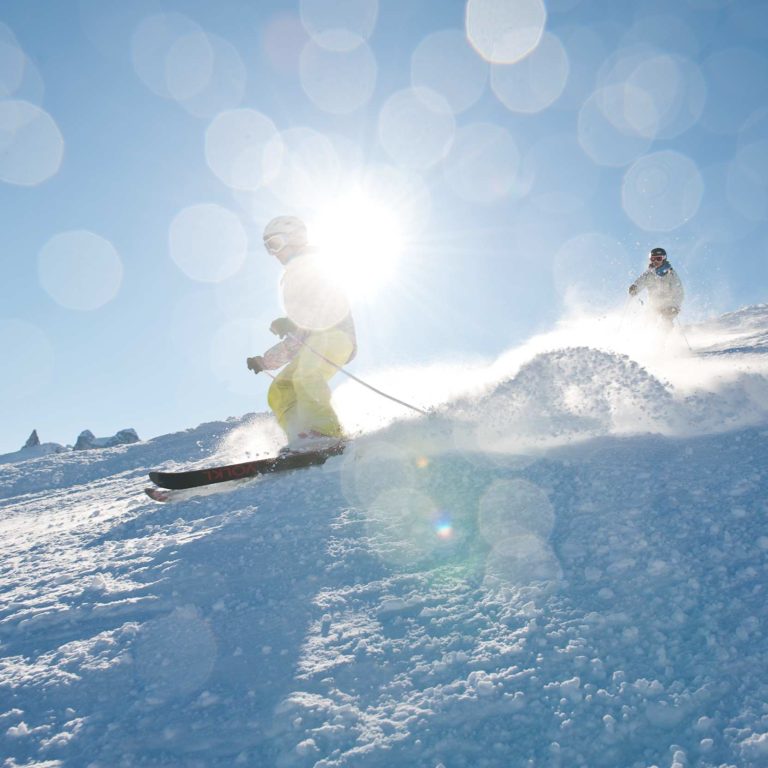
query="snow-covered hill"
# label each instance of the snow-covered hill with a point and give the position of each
(31, 450)
(85, 441)
(566, 565)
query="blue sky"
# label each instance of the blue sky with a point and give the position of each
(529, 174)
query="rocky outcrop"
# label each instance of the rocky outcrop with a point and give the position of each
(33, 440)
(32, 449)
(86, 440)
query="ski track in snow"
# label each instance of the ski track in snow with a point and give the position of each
(568, 569)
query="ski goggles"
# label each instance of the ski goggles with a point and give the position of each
(275, 243)
(657, 258)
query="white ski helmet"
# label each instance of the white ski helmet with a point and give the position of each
(285, 236)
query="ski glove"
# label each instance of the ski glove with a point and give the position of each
(632, 290)
(256, 364)
(283, 326)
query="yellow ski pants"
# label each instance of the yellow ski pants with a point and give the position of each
(300, 396)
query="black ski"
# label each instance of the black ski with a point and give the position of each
(195, 478)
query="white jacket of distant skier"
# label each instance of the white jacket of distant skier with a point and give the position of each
(665, 291)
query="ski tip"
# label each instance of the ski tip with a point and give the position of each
(156, 494)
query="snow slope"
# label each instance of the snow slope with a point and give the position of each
(564, 566)
(31, 452)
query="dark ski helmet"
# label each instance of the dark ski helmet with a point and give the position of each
(658, 252)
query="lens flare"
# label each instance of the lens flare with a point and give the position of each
(31, 144)
(444, 528)
(361, 241)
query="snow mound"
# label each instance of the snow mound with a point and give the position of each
(566, 395)
(579, 393)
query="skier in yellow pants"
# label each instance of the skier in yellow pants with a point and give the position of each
(300, 396)
(318, 336)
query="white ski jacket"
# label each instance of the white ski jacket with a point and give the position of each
(665, 291)
(315, 304)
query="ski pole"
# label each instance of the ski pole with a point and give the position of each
(685, 338)
(624, 313)
(354, 378)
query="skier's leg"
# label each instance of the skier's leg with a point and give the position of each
(282, 399)
(668, 315)
(311, 381)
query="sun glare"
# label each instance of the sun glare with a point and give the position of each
(361, 240)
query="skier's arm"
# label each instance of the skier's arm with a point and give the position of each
(276, 357)
(283, 352)
(640, 283)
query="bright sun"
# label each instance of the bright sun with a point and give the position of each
(361, 240)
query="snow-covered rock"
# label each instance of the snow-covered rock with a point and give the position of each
(86, 440)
